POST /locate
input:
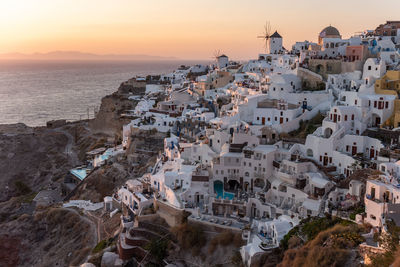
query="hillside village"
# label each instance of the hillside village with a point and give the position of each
(259, 150)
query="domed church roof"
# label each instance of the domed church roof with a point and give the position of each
(329, 31)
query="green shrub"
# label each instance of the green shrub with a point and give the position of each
(157, 249)
(102, 245)
(358, 210)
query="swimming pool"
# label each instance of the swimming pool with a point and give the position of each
(219, 191)
(79, 173)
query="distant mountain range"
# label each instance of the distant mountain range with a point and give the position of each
(76, 55)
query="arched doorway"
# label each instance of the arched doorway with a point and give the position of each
(319, 68)
(328, 132)
(259, 183)
(246, 186)
(233, 185)
(376, 120)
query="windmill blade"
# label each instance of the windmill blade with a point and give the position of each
(267, 28)
(267, 35)
(217, 53)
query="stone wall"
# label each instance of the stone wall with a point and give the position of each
(309, 79)
(324, 67)
(170, 214)
(352, 66)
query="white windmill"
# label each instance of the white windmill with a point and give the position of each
(221, 59)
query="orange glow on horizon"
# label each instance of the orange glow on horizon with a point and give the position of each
(185, 29)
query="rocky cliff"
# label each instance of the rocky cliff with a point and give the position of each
(108, 120)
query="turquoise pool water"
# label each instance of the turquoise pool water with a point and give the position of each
(80, 173)
(219, 190)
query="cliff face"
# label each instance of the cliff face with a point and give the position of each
(49, 237)
(108, 120)
(133, 86)
(30, 159)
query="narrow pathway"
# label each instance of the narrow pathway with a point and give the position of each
(68, 148)
(99, 224)
(93, 226)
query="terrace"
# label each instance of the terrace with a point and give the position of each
(221, 221)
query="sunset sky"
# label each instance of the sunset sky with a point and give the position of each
(185, 29)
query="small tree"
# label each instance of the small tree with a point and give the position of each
(157, 249)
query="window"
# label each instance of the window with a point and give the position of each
(244, 163)
(258, 118)
(216, 172)
(352, 117)
(345, 117)
(369, 67)
(276, 118)
(386, 104)
(222, 172)
(355, 102)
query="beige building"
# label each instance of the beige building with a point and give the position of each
(389, 84)
(213, 81)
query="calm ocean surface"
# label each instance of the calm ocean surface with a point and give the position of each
(33, 92)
